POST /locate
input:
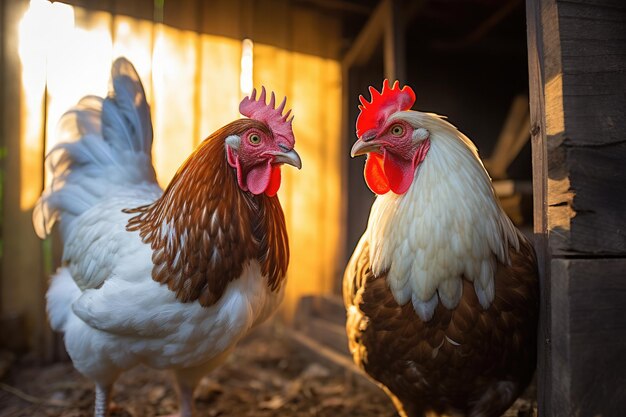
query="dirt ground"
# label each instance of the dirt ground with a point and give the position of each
(268, 375)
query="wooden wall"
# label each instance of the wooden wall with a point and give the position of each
(21, 293)
(193, 90)
(577, 68)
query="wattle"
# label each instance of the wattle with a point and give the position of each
(375, 175)
(264, 178)
(274, 185)
(388, 172)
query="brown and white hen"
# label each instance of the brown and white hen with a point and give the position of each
(441, 291)
(171, 279)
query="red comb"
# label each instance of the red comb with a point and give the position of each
(382, 105)
(269, 114)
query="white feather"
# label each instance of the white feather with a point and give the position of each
(447, 226)
(104, 146)
(113, 314)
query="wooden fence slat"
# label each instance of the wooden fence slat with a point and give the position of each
(535, 14)
(589, 337)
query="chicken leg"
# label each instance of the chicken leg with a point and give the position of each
(103, 397)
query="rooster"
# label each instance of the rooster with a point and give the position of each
(171, 279)
(441, 291)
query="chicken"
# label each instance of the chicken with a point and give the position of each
(171, 279)
(442, 290)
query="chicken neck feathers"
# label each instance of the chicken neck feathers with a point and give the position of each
(204, 227)
(447, 227)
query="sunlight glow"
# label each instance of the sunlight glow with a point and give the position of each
(245, 79)
(42, 28)
(194, 83)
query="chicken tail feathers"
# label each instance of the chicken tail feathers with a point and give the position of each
(61, 294)
(104, 145)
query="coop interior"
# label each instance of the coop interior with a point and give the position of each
(197, 59)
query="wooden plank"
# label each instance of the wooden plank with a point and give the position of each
(589, 337)
(325, 307)
(394, 46)
(139, 9)
(538, 11)
(335, 154)
(589, 140)
(186, 15)
(323, 319)
(329, 308)
(3, 152)
(223, 18)
(578, 158)
(22, 282)
(345, 136)
(369, 38)
(513, 135)
(328, 354)
(598, 181)
(328, 334)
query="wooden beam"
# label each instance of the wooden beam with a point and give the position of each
(480, 31)
(394, 44)
(3, 123)
(388, 24)
(578, 121)
(588, 139)
(536, 12)
(323, 318)
(515, 133)
(326, 353)
(346, 135)
(589, 337)
(369, 38)
(340, 6)
(22, 280)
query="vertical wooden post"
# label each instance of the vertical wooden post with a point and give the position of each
(578, 118)
(22, 282)
(394, 45)
(539, 151)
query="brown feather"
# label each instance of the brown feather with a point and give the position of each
(457, 361)
(204, 228)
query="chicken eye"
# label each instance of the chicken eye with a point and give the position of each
(397, 130)
(254, 139)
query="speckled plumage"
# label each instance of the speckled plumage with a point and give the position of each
(442, 290)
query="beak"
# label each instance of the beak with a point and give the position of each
(290, 157)
(361, 148)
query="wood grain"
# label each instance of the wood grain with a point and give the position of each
(535, 14)
(587, 165)
(577, 71)
(589, 334)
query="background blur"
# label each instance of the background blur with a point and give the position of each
(466, 59)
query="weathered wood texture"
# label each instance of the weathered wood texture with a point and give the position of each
(577, 72)
(586, 101)
(536, 76)
(589, 337)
